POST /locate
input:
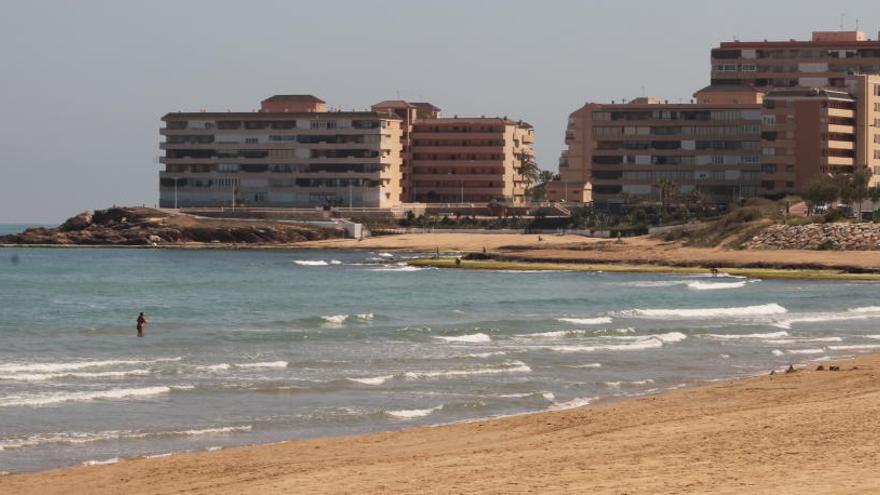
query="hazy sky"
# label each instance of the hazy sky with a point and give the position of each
(84, 83)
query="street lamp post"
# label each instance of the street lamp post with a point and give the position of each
(462, 192)
(175, 193)
(350, 203)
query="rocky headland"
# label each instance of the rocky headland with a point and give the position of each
(150, 227)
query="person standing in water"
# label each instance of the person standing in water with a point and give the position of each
(141, 321)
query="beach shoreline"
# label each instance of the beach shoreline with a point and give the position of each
(769, 434)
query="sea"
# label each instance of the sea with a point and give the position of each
(251, 347)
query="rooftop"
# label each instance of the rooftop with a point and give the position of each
(308, 98)
(276, 115)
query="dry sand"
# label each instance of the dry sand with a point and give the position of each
(807, 432)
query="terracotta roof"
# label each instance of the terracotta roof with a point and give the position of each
(310, 98)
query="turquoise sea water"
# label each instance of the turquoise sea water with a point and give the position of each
(261, 346)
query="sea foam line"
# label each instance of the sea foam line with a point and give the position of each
(732, 336)
(600, 320)
(75, 365)
(413, 413)
(700, 313)
(74, 438)
(472, 338)
(38, 377)
(59, 397)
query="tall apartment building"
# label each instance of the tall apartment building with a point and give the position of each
(806, 132)
(408, 113)
(818, 107)
(824, 61)
(627, 149)
(469, 160)
(290, 153)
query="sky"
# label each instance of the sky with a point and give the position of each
(83, 84)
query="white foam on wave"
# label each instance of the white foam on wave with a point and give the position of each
(38, 377)
(335, 319)
(734, 336)
(570, 404)
(76, 438)
(872, 336)
(335, 262)
(509, 367)
(853, 347)
(310, 262)
(777, 352)
(385, 255)
(112, 460)
(865, 309)
(640, 345)
(586, 321)
(59, 397)
(365, 316)
(413, 413)
(475, 338)
(269, 364)
(371, 380)
(823, 317)
(805, 351)
(702, 313)
(483, 355)
(668, 338)
(211, 368)
(553, 335)
(804, 340)
(716, 285)
(75, 365)
(585, 365)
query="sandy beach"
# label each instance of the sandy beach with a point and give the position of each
(636, 250)
(805, 432)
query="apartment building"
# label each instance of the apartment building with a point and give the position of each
(469, 160)
(806, 132)
(621, 150)
(291, 153)
(408, 113)
(823, 61)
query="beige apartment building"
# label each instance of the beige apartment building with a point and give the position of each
(823, 61)
(815, 104)
(625, 150)
(291, 153)
(469, 160)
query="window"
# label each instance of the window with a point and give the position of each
(251, 140)
(227, 167)
(749, 67)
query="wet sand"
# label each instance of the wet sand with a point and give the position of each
(806, 432)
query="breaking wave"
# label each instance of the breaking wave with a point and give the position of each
(38, 377)
(586, 321)
(716, 285)
(701, 313)
(59, 397)
(570, 404)
(731, 336)
(75, 365)
(310, 262)
(475, 338)
(74, 438)
(413, 413)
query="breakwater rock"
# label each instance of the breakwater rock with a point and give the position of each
(832, 236)
(149, 227)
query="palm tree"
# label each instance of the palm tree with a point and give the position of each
(528, 170)
(667, 191)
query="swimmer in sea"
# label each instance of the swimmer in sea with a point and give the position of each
(141, 321)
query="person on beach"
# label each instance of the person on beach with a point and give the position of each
(141, 321)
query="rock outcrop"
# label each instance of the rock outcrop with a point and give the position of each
(832, 236)
(145, 226)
